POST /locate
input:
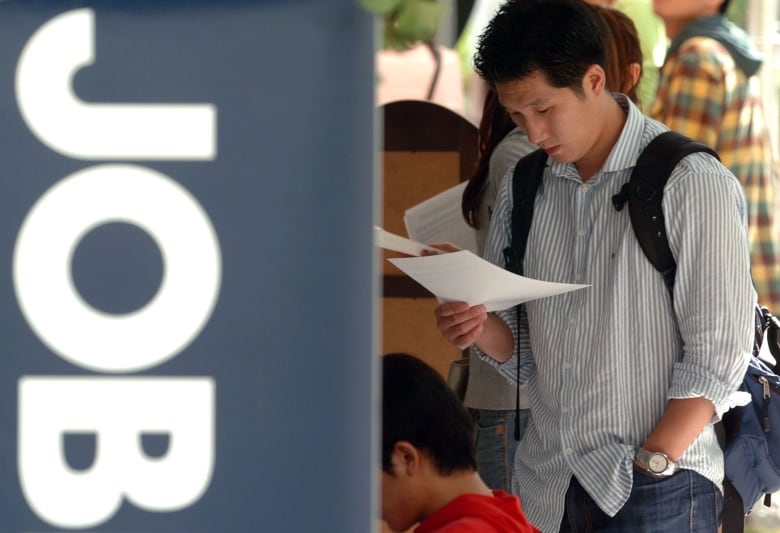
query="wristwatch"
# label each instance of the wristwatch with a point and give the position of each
(656, 463)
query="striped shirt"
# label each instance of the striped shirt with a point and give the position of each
(602, 362)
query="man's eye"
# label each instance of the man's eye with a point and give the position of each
(543, 111)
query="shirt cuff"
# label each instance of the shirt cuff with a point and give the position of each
(692, 381)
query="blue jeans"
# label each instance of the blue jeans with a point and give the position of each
(496, 445)
(683, 503)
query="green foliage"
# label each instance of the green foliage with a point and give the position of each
(406, 22)
(380, 7)
(737, 12)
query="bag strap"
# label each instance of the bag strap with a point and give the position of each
(644, 193)
(770, 325)
(526, 178)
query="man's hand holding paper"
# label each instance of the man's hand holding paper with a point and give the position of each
(459, 323)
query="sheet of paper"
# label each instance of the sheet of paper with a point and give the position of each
(440, 219)
(391, 241)
(464, 277)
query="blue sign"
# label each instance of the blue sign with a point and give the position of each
(187, 306)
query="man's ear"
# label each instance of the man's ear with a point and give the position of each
(405, 458)
(595, 80)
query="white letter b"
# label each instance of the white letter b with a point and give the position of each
(118, 411)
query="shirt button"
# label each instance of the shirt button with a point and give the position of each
(564, 410)
(580, 233)
(567, 366)
(577, 276)
(568, 451)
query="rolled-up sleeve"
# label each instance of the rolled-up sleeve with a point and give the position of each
(714, 299)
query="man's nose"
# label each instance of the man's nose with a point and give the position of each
(536, 132)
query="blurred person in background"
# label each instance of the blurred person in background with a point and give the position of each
(652, 39)
(709, 91)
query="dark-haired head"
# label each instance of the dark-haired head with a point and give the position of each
(560, 39)
(419, 407)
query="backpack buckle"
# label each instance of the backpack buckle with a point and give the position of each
(619, 200)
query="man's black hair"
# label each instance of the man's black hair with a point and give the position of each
(559, 38)
(419, 407)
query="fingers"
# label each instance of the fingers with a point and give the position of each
(459, 323)
(448, 309)
(468, 338)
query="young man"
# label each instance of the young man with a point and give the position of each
(624, 381)
(428, 466)
(709, 91)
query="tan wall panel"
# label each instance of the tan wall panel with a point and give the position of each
(409, 326)
(410, 178)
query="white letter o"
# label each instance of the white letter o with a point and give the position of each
(191, 268)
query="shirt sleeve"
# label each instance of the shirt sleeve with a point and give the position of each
(693, 101)
(714, 300)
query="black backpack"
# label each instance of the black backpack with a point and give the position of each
(748, 435)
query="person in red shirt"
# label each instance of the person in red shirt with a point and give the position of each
(429, 469)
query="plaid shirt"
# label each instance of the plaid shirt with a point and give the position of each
(703, 95)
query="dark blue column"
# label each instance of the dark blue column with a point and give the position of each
(235, 266)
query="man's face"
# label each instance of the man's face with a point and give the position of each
(399, 509)
(557, 120)
(685, 9)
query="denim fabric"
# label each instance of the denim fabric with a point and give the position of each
(496, 445)
(686, 502)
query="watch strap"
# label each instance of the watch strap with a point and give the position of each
(646, 457)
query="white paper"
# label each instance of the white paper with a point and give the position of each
(396, 243)
(464, 277)
(440, 219)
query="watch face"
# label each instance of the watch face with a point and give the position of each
(657, 463)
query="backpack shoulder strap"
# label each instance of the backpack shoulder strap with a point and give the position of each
(770, 326)
(526, 178)
(644, 194)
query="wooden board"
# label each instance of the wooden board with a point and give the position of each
(427, 149)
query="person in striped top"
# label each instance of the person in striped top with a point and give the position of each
(624, 383)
